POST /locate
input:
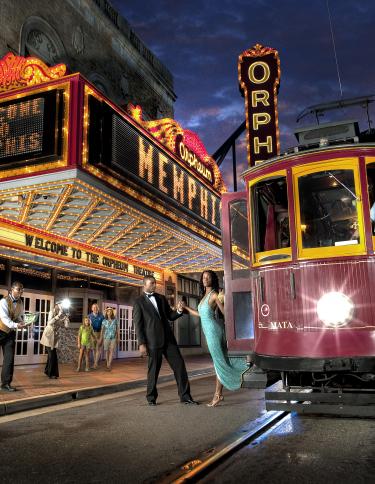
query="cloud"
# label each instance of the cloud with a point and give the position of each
(199, 42)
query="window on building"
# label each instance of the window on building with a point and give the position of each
(188, 328)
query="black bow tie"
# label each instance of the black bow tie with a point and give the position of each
(150, 295)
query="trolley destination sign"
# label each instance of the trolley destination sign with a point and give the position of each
(259, 77)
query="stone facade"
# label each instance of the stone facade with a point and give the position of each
(92, 39)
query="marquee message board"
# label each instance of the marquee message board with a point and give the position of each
(31, 128)
(259, 77)
(78, 254)
(115, 144)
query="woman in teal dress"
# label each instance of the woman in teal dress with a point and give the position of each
(228, 370)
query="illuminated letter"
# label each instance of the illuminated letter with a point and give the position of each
(260, 96)
(22, 143)
(182, 150)
(178, 185)
(10, 146)
(204, 203)
(260, 118)
(266, 72)
(35, 141)
(35, 106)
(4, 130)
(145, 161)
(25, 109)
(192, 191)
(258, 144)
(163, 160)
(12, 111)
(213, 209)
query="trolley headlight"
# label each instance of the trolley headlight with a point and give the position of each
(335, 309)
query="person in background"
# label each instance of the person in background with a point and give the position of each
(86, 339)
(110, 335)
(11, 319)
(96, 320)
(57, 319)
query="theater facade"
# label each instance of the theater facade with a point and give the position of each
(93, 198)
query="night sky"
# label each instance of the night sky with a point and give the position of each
(199, 41)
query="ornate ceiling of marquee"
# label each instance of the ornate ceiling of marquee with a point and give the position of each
(74, 209)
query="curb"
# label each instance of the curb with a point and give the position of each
(14, 406)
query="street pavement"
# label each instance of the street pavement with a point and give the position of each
(119, 438)
(305, 450)
(35, 390)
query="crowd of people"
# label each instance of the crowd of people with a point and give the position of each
(98, 331)
(151, 316)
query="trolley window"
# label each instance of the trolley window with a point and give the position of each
(330, 212)
(239, 231)
(270, 220)
(371, 192)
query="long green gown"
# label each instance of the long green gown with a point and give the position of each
(228, 370)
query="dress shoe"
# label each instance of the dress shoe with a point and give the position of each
(7, 388)
(190, 401)
(216, 400)
(152, 403)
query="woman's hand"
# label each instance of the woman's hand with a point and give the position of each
(79, 346)
(191, 311)
(220, 296)
(216, 299)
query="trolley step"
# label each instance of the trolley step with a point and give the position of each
(359, 403)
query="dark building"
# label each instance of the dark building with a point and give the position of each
(91, 201)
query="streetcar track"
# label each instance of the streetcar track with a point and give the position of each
(206, 462)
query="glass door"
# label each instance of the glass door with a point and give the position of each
(128, 345)
(238, 304)
(28, 347)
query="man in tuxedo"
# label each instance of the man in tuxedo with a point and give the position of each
(151, 316)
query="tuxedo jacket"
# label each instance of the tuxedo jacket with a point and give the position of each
(153, 328)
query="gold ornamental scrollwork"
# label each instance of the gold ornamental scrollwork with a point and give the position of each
(17, 72)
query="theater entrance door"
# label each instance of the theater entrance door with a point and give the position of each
(127, 345)
(28, 347)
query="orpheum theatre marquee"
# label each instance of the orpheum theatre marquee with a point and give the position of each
(88, 188)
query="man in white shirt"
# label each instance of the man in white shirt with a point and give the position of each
(11, 318)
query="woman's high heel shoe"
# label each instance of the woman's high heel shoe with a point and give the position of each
(216, 400)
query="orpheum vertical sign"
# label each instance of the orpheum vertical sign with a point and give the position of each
(259, 76)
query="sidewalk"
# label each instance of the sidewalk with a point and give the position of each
(35, 390)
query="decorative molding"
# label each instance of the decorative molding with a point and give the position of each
(78, 40)
(258, 50)
(17, 72)
(39, 38)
